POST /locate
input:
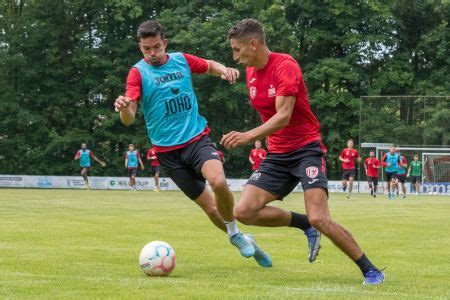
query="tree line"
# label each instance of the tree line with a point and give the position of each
(63, 63)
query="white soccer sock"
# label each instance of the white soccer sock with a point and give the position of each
(232, 228)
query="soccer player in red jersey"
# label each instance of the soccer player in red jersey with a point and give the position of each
(371, 165)
(296, 154)
(154, 167)
(162, 84)
(257, 155)
(347, 157)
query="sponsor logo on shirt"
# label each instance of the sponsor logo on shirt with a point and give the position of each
(168, 77)
(252, 92)
(252, 80)
(271, 91)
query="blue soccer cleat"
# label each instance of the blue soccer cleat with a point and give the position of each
(373, 276)
(313, 236)
(243, 244)
(261, 256)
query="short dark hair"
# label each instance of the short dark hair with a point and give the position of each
(372, 150)
(350, 140)
(248, 28)
(150, 29)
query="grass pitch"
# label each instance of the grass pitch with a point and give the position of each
(85, 244)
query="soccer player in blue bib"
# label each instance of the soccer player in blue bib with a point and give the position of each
(85, 155)
(391, 160)
(132, 159)
(162, 83)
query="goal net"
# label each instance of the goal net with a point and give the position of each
(436, 173)
(417, 124)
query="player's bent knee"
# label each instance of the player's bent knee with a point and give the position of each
(218, 183)
(243, 215)
(321, 223)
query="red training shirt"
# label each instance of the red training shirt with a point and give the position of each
(370, 163)
(134, 87)
(282, 76)
(152, 153)
(350, 154)
(257, 155)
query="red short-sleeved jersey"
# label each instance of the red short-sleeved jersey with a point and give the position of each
(257, 155)
(152, 153)
(351, 155)
(282, 76)
(134, 86)
(370, 164)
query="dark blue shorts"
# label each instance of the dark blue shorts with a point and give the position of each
(184, 166)
(279, 174)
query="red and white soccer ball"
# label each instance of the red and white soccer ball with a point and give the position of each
(157, 259)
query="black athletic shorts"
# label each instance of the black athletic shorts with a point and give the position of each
(132, 172)
(346, 174)
(154, 170)
(373, 180)
(391, 175)
(415, 179)
(401, 178)
(279, 174)
(184, 166)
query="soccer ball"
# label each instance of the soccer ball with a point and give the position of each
(157, 259)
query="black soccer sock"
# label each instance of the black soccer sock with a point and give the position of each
(344, 188)
(299, 221)
(364, 264)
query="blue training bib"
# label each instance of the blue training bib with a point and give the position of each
(85, 158)
(169, 103)
(392, 159)
(132, 159)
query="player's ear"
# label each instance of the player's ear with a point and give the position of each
(166, 42)
(253, 44)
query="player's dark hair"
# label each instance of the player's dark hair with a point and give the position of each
(372, 150)
(350, 140)
(248, 28)
(150, 29)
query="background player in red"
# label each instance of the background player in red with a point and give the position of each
(371, 165)
(257, 155)
(154, 167)
(277, 91)
(347, 157)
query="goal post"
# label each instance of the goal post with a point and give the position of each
(417, 124)
(435, 167)
(436, 173)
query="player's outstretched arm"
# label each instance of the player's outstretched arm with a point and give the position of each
(284, 106)
(99, 161)
(126, 109)
(217, 69)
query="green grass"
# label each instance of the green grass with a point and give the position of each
(85, 244)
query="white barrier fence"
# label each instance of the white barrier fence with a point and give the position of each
(147, 183)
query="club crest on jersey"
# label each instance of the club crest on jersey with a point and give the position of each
(312, 172)
(271, 92)
(252, 92)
